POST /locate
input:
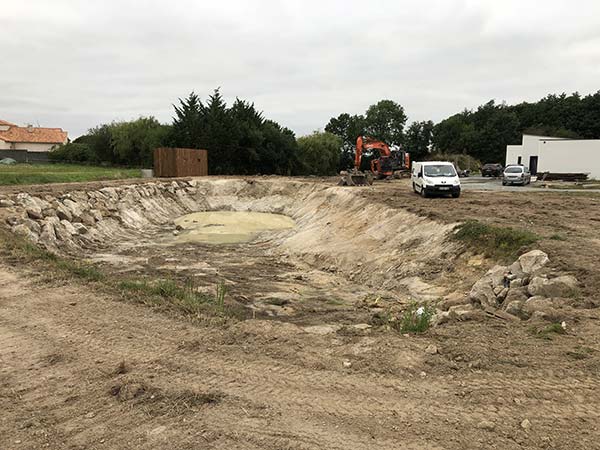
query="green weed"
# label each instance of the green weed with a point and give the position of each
(416, 319)
(494, 241)
(548, 331)
(558, 237)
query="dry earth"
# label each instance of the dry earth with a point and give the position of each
(80, 369)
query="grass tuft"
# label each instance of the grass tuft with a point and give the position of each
(183, 297)
(548, 331)
(494, 241)
(558, 237)
(415, 319)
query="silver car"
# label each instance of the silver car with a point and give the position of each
(516, 174)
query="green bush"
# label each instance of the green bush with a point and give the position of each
(72, 152)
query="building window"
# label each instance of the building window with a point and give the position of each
(519, 159)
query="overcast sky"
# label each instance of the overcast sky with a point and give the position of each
(76, 64)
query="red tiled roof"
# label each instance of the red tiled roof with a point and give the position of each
(33, 134)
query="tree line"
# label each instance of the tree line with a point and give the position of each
(240, 140)
(482, 133)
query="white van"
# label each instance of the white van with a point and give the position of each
(435, 177)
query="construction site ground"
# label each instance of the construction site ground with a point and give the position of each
(81, 369)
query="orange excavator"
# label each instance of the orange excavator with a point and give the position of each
(389, 164)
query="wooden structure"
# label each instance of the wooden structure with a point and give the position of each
(180, 162)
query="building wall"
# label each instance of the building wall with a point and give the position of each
(34, 147)
(512, 154)
(570, 156)
(529, 147)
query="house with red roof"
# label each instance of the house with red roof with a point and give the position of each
(31, 139)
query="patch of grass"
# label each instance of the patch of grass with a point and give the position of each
(61, 173)
(494, 241)
(182, 297)
(220, 297)
(18, 249)
(557, 237)
(415, 319)
(548, 331)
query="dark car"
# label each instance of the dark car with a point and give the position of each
(492, 170)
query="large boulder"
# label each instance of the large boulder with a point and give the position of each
(516, 294)
(515, 307)
(542, 308)
(63, 212)
(531, 262)
(23, 230)
(482, 293)
(563, 286)
(68, 226)
(34, 213)
(34, 226)
(74, 208)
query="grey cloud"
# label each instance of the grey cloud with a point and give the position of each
(75, 64)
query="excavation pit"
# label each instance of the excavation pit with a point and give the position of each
(301, 251)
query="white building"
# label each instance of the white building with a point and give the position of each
(556, 155)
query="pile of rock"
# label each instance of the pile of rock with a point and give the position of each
(525, 289)
(82, 219)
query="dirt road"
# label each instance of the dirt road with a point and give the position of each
(82, 371)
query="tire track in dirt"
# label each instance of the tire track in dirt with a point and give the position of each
(269, 402)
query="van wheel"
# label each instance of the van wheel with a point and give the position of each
(423, 192)
(414, 188)
(455, 194)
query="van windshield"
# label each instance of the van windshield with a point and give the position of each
(439, 170)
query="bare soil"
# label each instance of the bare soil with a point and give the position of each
(80, 369)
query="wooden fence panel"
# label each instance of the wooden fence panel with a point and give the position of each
(180, 162)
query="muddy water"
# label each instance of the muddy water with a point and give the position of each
(228, 227)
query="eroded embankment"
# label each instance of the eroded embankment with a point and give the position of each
(335, 230)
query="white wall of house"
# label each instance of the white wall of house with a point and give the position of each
(520, 154)
(572, 156)
(34, 147)
(31, 146)
(513, 152)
